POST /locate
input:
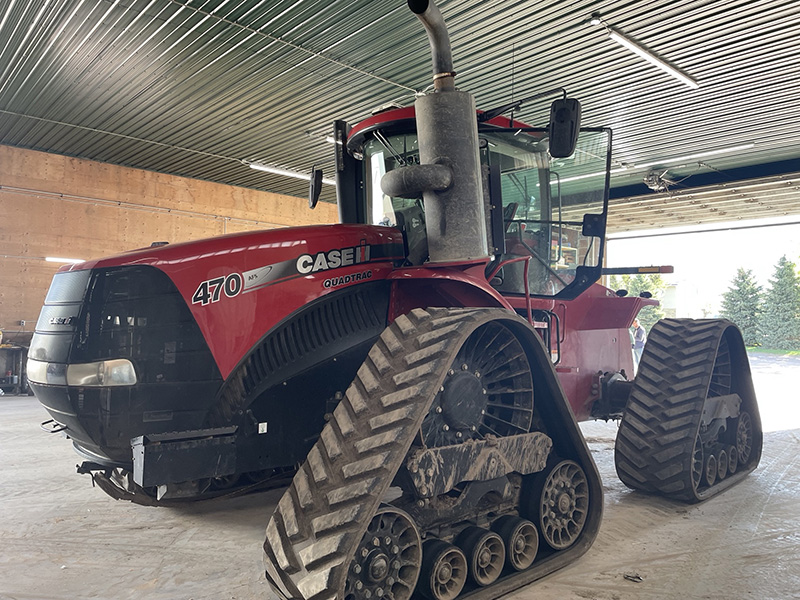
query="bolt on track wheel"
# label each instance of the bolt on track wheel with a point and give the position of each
(521, 540)
(444, 570)
(488, 389)
(733, 459)
(744, 438)
(485, 554)
(388, 559)
(563, 505)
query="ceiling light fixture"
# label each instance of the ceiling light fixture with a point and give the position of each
(695, 156)
(58, 259)
(644, 53)
(662, 162)
(285, 172)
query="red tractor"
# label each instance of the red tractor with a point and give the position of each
(425, 362)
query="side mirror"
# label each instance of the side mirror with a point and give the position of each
(593, 225)
(565, 124)
(314, 187)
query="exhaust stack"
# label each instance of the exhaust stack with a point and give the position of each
(447, 130)
(441, 55)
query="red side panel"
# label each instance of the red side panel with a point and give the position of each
(595, 340)
(450, 285)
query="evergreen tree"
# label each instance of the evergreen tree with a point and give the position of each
(742, 305)
(636, 284)
(780, 321)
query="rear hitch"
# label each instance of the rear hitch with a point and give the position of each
(90, 468)
(612, 391)
(87, 467)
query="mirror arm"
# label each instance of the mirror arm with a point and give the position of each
(514, 106)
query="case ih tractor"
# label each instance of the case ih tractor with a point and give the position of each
(419, 368)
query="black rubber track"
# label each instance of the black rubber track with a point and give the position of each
(321, 518)
(657, 434)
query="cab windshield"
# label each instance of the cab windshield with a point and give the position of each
(553, 209)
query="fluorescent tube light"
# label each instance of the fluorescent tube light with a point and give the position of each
(58, 259)
(662, 162)
(598, 174)
(651, 58)
(285, 172)
(695, 156)
(626, 42)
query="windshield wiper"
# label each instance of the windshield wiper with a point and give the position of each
(388, 147)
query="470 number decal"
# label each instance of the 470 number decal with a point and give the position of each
(210, 291)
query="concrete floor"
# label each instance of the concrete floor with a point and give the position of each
(61, 539)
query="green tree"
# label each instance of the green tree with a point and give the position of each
(742, 305)
(636, 284)
(780, 321)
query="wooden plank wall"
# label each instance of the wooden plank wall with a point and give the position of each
(52, 205)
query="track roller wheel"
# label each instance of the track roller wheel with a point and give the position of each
(722, 464)
(485, 554)
(698, 460)
(521, 540)
(744, 437)
(563, 505)
(444, 570)
(693, 378)
(711, 470)
(733, 459)
(388, 559)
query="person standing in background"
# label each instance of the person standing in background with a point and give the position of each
(639, 339)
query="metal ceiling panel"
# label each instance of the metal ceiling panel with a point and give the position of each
(196, 87)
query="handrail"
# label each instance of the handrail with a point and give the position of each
(508, 261)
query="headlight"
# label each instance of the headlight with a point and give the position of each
(46, 372)
(105, 373)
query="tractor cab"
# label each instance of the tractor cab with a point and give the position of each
(545, 217)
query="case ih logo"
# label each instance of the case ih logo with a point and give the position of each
(333, 259)
(61, 320)
(233, 284)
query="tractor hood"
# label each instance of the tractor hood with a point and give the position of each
(245, 283)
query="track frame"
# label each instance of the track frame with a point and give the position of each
(323, 515)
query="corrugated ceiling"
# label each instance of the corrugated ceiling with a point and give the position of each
(193, 88)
